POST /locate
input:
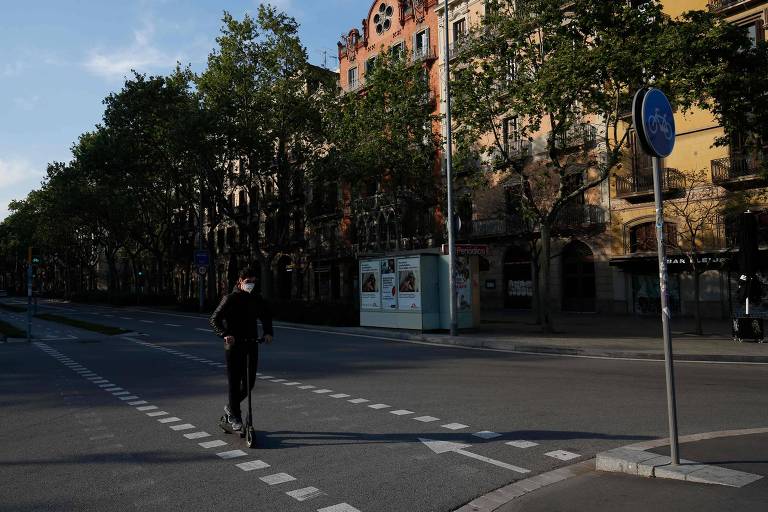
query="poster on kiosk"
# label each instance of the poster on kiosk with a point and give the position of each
(409, 283)
(388, 284)
(370, 285)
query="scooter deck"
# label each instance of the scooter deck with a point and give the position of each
(223, 425)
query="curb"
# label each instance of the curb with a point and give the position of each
(505, 495)
(522, 348)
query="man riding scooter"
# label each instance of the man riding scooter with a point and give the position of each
(236, 320)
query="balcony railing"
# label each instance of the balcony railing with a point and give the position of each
(355, 85)
(520, 148)
(581, 215)
(738, 168)
(423, 54)
(721, 5)
(499, 226)
(578, 135)
(458, 46)
(642, 185)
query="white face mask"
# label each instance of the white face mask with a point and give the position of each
(248, 287)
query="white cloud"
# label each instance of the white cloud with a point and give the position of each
(142, 55)
(17, 178)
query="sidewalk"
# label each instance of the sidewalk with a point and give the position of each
(587, 335)
(592, 490)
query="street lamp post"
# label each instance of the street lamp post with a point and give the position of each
(449, 176)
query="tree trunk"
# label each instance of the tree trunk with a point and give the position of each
(536, 289)
(544, 303)
(697, 305)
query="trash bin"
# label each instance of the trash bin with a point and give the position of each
(748, 329)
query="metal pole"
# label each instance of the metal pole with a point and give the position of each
(665, 314)
(449, 178)
(200, 278)
(29, 300)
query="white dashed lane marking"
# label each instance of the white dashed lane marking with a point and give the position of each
(379, 406)
(197, 435)
(146, 408)
(522, 444)
(172, 325)
(212, 444)
(401, 412)
(157, 413)
(252, 465)
(232, 454)
(169, 420)
(358, 401)
(184, 426)
(562, 455)
(455, 426)
(323, 391)
(277, 478)
(307, 493)
(486, 434)
(341, 507)
(339, 395)
(426, 419)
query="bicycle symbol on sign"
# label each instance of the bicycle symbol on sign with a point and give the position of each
(658, 122)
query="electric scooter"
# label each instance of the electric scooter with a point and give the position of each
(247, 431)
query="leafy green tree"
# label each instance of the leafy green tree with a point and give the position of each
(567, 71)
(258, 94)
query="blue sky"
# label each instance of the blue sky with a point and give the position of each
(59, 59)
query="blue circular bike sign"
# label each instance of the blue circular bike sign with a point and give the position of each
(654, 122)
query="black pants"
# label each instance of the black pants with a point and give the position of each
(237, 359)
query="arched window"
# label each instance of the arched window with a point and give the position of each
(642, 237)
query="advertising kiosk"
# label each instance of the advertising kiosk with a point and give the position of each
(410, 291)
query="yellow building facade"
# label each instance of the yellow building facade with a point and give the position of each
(727, 170)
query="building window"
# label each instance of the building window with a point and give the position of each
(459, 30)
(370, 64)
(511, 135)
(642, 238)
(352, 78)
(383, 18)
(755, 32)
(421, 44)
(398, 50)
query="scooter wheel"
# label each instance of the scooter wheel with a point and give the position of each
(250, 437)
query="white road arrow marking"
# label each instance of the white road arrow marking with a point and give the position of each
(447, 446)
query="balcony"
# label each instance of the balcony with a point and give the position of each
(355, 85)
(729, 5)
(739, 171)
(639, 188)
(580, 216)
(577, 136)
(498, 227)
(519, 149)
(423, 54)
(457, 47)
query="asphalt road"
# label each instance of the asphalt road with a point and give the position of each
(344, 422)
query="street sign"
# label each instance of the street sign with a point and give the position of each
(202, 270)
(468, 249)
(654, 121)
(202, 259)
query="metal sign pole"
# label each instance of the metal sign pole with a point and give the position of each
(29, 300)
(668, 366)
(449, 177)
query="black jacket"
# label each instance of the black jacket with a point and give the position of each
(238, 313)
